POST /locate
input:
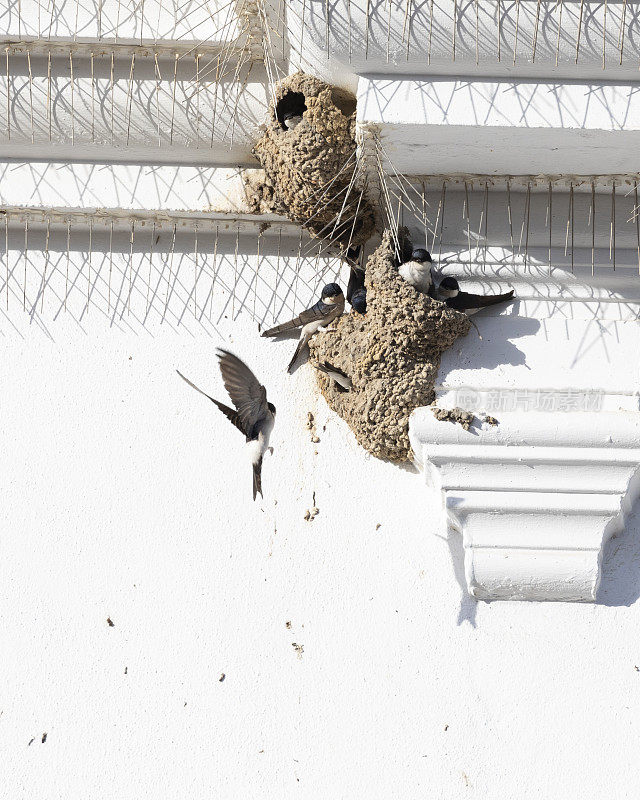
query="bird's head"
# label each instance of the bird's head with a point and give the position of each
(291, 119)
(359, 301)
(331, 293)
(448, 287)
(421, 255)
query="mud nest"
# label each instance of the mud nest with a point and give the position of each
(392, 354)
(299, 164)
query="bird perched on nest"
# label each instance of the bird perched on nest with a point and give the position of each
(449, 292)
(254, 415)
(356, 293)
(341, 379)
(329, 307)
(359, 301)
(416, 270)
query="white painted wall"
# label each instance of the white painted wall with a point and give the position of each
(124, 496)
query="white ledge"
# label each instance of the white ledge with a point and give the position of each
(535, 497)
(500, 127)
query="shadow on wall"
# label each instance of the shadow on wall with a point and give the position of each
(468, 605)
(620, 582)
(427, 32)
(140, 276)
(496, 347)
(186, 103)
(540, 106)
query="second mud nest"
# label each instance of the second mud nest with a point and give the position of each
(392, 354)
(307, 170)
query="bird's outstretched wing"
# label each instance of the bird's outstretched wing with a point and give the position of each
(246, 392)
(229, 413)
(317, 311)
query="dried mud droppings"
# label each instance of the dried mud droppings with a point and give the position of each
(392, 354)
(459, 415)
(300, 163)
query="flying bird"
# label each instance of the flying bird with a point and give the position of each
(340, 378)
(449, 292)
(291, 119)
(253, 415)
(329, 307)
(417, 269)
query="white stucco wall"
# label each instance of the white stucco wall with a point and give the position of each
(123, 495)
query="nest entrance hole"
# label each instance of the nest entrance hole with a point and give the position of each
(295, 103)
(290, 103)
(344, 101)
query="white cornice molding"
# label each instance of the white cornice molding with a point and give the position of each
(535, 497)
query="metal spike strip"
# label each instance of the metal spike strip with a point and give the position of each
(593, 227)
(49, 110)
(560, 3)
(550, 220)
(635, 190)
(612, 232)
(46, 263)
(622, 26)
(444, 197)
(66, 282)
(235, 275)
(171, 252)
(454, 30)
(89, 265)
(526, 246)
(254, 277)
(535, 34)
(486, 224)
(579, 30)
(604, 35)
(195, 270)
(510, 214)
(515, 41)
(73, 116)
(6, 255)
(110, 266)
(130, 95)
(31, 95)
(8, 97)
(131, 242)
(26, 259)
(151, 248)
(430, 34)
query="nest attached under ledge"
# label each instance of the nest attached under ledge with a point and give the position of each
(392, 354)
(302, 174)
